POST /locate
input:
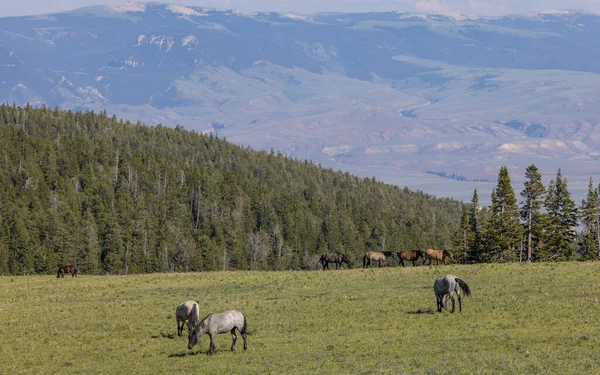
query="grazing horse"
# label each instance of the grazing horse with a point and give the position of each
(214, 324)
(437, 255)
(377, 256)
(446, 286)
(411, 255)
(335, 257)
(67, 269)
(183, 314)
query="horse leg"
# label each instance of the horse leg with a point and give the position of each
(233, 338)
(459, 301)
(243, 332)
(402, 261)
(452, 298)
(212, 348)
(179, 328)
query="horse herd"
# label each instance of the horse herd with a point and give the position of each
(187, 312)
(380, 257)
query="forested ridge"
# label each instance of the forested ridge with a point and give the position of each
(111, 196)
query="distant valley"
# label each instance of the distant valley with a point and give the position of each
(435, 102)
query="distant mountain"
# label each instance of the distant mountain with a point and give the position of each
(413, 99)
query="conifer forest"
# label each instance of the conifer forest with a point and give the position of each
(120, 198)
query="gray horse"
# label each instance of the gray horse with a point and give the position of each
(446, 286)
(214, 324)
(183, 313)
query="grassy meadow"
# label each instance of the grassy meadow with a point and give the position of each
(520, 319)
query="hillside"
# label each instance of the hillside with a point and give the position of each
(429, 96)
(115, 197)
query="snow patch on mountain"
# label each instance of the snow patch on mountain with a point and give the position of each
(161, 41)
(189, 41)
(126, 6)
(187, 11)
(294, 16)
(92, 94)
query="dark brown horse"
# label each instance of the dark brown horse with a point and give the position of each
(437, 255)
(335, 257)
(377, 256)
(67, 269)
(410, 255)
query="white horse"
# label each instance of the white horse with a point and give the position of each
(446, 286)
(214, 324)
(182, 314)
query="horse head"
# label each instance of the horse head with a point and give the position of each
(448, 253)
(194, 326)
(347, 260)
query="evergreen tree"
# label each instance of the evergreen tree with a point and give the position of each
(503, 232)
(590, 218)
(562, 218)
(533, 198)
(476, 223)
(462, 238)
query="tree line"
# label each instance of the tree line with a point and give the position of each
(542, 227)
(116, 197)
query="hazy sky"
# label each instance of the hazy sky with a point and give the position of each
(479, 7)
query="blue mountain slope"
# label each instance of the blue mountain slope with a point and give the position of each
(391, 94)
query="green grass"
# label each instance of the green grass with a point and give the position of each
(521, 319)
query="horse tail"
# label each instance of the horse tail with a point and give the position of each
(245, 326)
(365, 258)
(464, 286)
(58, 274)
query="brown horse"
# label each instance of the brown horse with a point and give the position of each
(335, 257)
(377, 256)
(437, 255)
(67, 269)
(410, 255)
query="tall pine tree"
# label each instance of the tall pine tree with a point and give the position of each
(562, 219)
(533, 198)
(590, 218)
(476, 222)
(503, 232)
(462, 238)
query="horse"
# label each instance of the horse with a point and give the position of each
(437, 255)
(412, 255)
(335, 257)
(377, 256)
(446, 286)
(214, 324)
(183, 314)
(64, 269)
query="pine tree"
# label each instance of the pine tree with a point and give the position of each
(503, 232)
(475, 221)
(533, 195)
(590, 218)
(562, 219)
(462, 238)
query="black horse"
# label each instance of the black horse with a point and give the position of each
(335, 257)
